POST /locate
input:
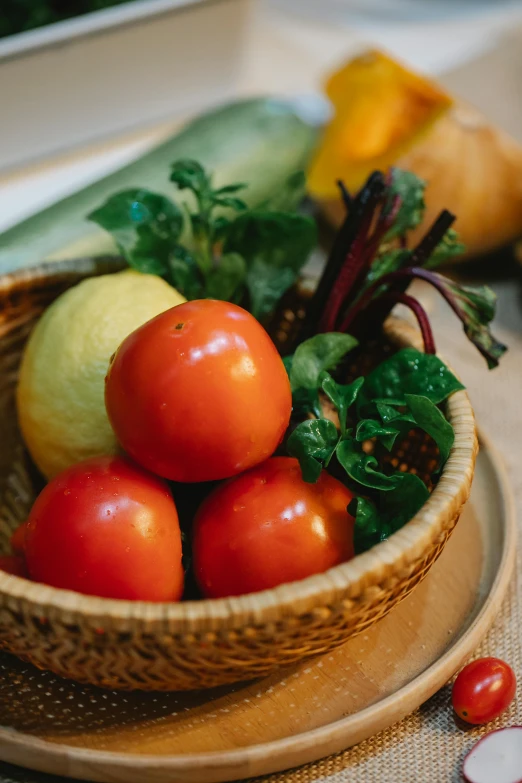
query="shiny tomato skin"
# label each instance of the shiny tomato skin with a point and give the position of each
(267, 527)
(483, 690)
(199, 393)
(13, 564)
(108, 528)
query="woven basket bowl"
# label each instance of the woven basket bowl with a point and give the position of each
(200, 644)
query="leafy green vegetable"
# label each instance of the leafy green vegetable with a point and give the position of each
(314, 356)
(313, 443)
(207, 226)
(184, 273)
(422, 413)
(370, 528)
(388, 413)
(362, 468)
(389, 261)
(342, 396)
(449, 247)
(395, 410)
(275, 246)
(370, 267)
(374, 522)
(476, 309)
(410, 372)
(190, 175)
(430, 419)
(409, 189)
(230, 249)
(311, 358)
(145, 226)
(371, 428)
(266, 285)
(226, 277)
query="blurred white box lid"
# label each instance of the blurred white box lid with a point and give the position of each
(87, 78)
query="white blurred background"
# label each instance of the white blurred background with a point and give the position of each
(86, 96)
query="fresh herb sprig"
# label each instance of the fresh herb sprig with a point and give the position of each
(401, 394)
(370, 267)
(216, 246)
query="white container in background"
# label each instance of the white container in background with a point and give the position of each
(87, 78)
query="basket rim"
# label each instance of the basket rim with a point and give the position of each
(341, 582)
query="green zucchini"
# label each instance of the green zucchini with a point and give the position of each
(259, 141)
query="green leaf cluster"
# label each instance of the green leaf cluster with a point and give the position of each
(232, 253)
(400, 394)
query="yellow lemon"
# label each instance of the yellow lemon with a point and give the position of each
(60, 395)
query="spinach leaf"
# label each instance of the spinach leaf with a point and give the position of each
(363, 468)
(311, 358)
(342, 396)
(371, 428)
(369, 528)
(400, 505)
(275, 246)
(376, 522)
(184, 273)
(401, 422)
(266, 285)
(313, 443)
(388, 413)
(321, 352)
(422, 413)
(410, 372)
(226, 277)
(145, 226)
(430, 419)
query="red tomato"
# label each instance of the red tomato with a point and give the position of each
(106, 527)
(483, 690)
(12, 564)
(199, 393)
(267, 527)
(18, 539)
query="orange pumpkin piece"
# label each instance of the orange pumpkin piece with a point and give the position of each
(381, 108)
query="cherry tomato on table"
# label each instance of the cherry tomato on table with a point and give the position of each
(199, 393)
(106, 527)
(267, 527)
(483, 690)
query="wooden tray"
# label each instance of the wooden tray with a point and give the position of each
(291, 718)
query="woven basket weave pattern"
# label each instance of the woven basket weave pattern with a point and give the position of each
(128, 645)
